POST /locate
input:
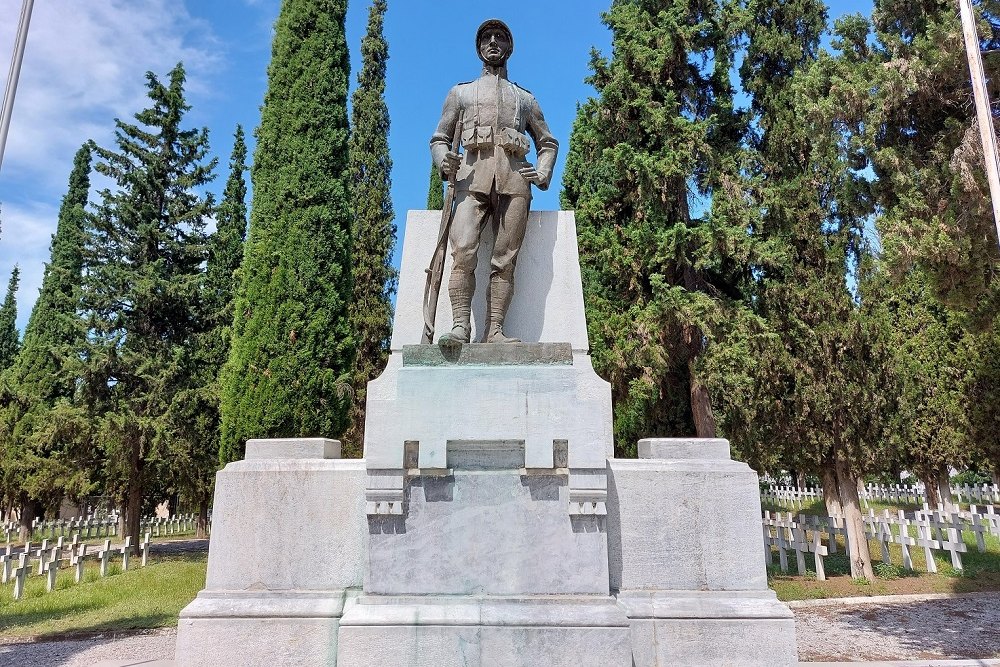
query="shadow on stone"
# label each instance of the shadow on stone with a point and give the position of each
(386, 525)
(543, 487)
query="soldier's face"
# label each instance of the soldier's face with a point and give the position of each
(494, 46)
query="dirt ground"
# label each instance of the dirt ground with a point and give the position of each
(963, 627)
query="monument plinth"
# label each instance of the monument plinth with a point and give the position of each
(487, 480)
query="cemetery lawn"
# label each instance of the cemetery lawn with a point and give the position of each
(141, 598)
(981, 572)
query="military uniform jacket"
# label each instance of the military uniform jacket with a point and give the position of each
(495, 114)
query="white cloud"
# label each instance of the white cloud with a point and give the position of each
(84, 66)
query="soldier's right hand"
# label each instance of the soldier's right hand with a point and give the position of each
(451, 162)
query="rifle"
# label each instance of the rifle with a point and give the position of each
(435, 272)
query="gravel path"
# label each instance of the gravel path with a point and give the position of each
(909, 628)
(151, 645)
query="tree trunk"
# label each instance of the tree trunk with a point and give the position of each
(701, 402)
(201, 531)
(944, 490)
(931, 491)
(133, 515)
(831, 494)
(29, 510)
(858, 551)
(800, 480)
(996, 478)
(122, 514)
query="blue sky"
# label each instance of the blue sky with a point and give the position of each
(85, 65)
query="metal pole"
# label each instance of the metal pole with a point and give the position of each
(983, 112)
(14, 74)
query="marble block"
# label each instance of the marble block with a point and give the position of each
(484, 631)
(487, 531)
(685, 558)
(286, 556)
(547, 306)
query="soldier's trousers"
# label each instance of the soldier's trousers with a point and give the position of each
(473, 211)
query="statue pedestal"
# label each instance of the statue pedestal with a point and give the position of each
(486, 503)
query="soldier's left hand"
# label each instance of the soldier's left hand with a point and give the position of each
(531, 175)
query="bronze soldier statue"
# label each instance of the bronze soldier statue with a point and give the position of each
(492, 177)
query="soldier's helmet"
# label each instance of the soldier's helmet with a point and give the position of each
(494, 23)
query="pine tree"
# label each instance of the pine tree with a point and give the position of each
(146, 246)
(660, 139)
(46, 444)
(933, 195)
(194, 414)
(435, 190)
(290, 364)
(9, 339)
(374, 233)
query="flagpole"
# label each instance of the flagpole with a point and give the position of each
(983, 112)
(14, 74)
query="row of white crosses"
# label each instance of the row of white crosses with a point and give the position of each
(935, 531)
(95, 527)
(981, 494)
(792, 497)
(47, 560)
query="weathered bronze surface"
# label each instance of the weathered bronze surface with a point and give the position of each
(498, 121)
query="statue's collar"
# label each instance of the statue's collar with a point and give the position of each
(495, 71)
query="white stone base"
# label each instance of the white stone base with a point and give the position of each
(287, 553)
(710, 629)
(686, 561)
(260, 629)
(555, 631)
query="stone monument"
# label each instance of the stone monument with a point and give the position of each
(488, 523)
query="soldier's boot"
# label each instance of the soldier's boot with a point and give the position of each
(460, 290)
(501, 292)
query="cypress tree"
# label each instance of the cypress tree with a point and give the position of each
(289, 368)
(435, 190)
(934, 359)
(9, 339)
(374, 234)
(927, 153)
(45, 433)
(146, 246)
(660, 138)
(814, 391)
(194, 414)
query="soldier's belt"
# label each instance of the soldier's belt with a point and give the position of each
(479, 138)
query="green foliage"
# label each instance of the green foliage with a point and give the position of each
(44, 433)
(193, 416)
(374, 234)
(888, 571)
(435, 190)
(292, 351)
(926, 152)
(9, 340)
(659, 274)
(146, 245)
(933, 359)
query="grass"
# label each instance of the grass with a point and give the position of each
(141, 598)
(980, 572)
